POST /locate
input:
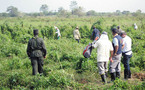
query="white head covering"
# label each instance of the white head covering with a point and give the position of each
(104, 36)
(55, 27)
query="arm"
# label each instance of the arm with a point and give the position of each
(110, 58)
(28, 49)
(115, 42)
(79, 35)
(44, 49)
(111, 52)
(116, 49)
(123, 46)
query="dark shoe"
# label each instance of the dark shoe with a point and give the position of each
(125, 75)
(129, 74)
(113, 76)
(117, 74)
(104, 79)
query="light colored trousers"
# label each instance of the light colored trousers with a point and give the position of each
(115, 65)
(102, 66)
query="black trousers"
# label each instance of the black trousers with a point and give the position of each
(126, 59)
(37, 65)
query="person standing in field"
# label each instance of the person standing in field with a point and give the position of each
(76, 34)
(95, 34)
(36, 51)
(127, 54)
(104, 49)
(135, 26)
(58, 33)
(114, 66)
(119, 30)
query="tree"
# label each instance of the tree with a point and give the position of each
(13, 11)
(118, 12)
(73, 6)
(91, 13)
(126, 12)
(137, 13)
(63, 12)
(79, 11)
(44, 9)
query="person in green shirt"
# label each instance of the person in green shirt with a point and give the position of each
(36, 51)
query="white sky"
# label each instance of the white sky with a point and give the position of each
(97, 5)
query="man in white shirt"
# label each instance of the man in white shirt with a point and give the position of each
(127, 54)
(135, 26)
(58, 32)
(104, 48)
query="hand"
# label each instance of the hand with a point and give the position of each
(111, 59)
(115, 54)
(44, 56)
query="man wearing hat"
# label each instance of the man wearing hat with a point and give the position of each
(115, 67)
(76, 34)
(36, 51)
(127, 54)
(104, 49)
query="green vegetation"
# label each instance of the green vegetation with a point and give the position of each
(65, 67)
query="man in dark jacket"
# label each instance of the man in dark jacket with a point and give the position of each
(95, 34)
(36, 51)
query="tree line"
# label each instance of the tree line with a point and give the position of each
(61, 12)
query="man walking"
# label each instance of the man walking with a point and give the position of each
(104, 48)
(95, 34)
(36, 51)
(57, 32)
(127, 54)
(115, 67)
(76, 34)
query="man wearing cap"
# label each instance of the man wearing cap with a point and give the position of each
(127, 54)
(36, 51)
(95, 33)
(115, 67)
(76, 34)
(104, 49)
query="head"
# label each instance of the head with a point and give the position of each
(104, 33)
(123, 34)
(114, 31)
(77, 27)
(104, 36)
(118, 27)
(55, 27)
(94, 27)
(35, 32)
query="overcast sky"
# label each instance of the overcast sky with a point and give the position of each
(97, 5)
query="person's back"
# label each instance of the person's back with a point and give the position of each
(36, 47)
(76, 34)
(36, 51)
(104, 49)
(104, 46)
(135, 26)
(95, 34)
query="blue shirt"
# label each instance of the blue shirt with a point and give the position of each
(95, 33)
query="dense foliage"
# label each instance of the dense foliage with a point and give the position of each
(64, 67)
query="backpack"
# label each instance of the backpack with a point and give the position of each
(87, 51)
